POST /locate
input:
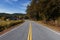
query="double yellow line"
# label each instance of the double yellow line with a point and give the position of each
(30, 32)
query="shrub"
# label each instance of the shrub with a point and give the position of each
(7, 24)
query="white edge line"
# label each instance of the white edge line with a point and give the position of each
(51, 30)
(58, 33)
(10, 30)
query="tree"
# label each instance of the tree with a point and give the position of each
(45, 9)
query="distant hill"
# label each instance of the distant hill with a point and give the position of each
(18, 14)
(14, 14)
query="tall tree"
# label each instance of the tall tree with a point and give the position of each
(45, 9)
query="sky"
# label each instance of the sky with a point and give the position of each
(13, 6)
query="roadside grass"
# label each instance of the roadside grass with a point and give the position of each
(7, 24)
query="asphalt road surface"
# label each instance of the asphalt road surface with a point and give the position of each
(30, 30)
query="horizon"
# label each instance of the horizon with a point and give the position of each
(13, 6)
(11, 13)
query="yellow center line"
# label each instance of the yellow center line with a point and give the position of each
(30, 32)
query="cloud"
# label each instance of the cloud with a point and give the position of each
(8, 1)
(15, 6)
(25, 4)
(11, 1)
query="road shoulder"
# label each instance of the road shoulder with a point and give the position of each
(53, 28)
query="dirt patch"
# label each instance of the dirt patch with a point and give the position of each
(55, 28)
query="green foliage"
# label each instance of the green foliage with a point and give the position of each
(44, 9)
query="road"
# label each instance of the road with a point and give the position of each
(30, 30)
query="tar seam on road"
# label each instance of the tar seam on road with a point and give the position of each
(30, 32)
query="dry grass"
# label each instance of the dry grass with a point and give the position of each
(6, 30)
(7, 24)
(3, 23)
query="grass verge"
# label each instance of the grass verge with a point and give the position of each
(8, 24)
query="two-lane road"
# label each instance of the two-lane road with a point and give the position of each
(30, 30)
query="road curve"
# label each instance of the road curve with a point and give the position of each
(32, 29)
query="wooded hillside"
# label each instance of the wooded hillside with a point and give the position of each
(46, 10)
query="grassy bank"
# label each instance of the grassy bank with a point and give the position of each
(7, 24)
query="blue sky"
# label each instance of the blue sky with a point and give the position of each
(13, 6)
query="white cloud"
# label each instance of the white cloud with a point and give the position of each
(8, 1)
(11, 1)
(25, 4)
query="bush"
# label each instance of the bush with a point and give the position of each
(7, 24)
(1, 28)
